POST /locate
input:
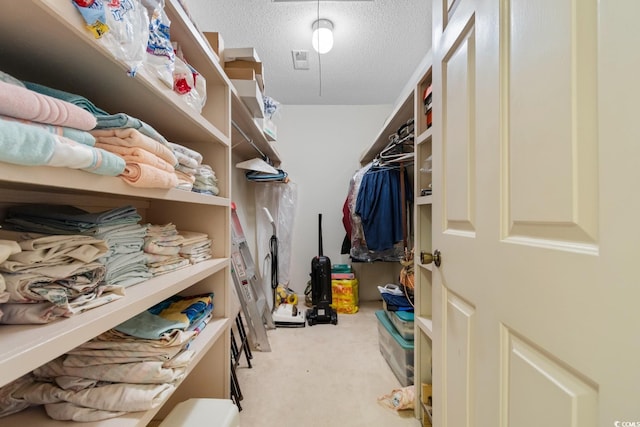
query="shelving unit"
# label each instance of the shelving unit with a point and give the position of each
(65, 56)
(423, 279)
(410, 105)
(242, 149)
(382, 272)
(402, 113)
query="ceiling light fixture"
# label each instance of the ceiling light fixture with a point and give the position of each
(322, 37)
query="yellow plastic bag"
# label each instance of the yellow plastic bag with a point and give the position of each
(345, 295)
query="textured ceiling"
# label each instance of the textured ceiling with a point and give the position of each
(377, 45)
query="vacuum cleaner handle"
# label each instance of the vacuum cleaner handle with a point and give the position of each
(319, 235)
(270, 218)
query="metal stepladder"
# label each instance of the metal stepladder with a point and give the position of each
(248, 287)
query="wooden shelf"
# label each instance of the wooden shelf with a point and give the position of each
(65, 50)
(78, 181)
(67, 57)
(424, 136)
(40, 343)
(423, 224)
(244, 119)
(425, 324)
(203, 342)
(401, 114)
(424, 200)
(240, 114)
(428, 267)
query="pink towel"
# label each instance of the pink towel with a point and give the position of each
(137, 155)
(23, 103)
(146, 176)
(130, 137)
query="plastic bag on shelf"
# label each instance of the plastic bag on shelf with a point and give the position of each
(271, 106)
(160, 58)
(122, 26)
(94, 14)
(188, 82)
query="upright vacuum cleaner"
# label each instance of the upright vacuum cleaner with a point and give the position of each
(321, 298)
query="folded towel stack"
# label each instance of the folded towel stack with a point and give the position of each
(149, 164)
(38, 130)
(206, 181)
(162, 249)
(196, 247)
(188, 162)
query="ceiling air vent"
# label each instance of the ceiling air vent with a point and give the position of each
(300, 59)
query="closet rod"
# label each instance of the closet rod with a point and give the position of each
(249, 140)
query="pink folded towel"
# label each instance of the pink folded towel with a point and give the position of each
(137, 155)
(146, 176)
(23, 103)
(130, 137)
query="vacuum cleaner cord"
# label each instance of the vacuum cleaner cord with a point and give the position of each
(273, 246)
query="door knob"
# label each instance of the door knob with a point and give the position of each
(428, 258)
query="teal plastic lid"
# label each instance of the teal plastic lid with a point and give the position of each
(341, 268)
(405, 316)
(384, 320)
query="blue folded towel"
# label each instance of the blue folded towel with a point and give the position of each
(27, 145)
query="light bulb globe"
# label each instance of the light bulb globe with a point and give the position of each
(322, 37)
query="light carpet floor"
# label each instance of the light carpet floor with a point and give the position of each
(322, 375)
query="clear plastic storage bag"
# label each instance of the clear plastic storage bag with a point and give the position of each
(122, 26)
(160, 58)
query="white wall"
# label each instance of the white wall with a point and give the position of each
(320, 147)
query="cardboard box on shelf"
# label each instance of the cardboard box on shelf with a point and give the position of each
(217, 44)
(250, 94)
(426, 392)
(240, 73)
(242, 54)
(255, 66)
(426, 416)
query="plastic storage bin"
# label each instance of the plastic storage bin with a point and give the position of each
(397, 351)
(403, 322)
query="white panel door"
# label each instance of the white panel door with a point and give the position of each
(536, 213)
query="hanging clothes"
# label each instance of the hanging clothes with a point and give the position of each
(380, 205)
(346, 221)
